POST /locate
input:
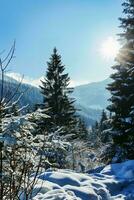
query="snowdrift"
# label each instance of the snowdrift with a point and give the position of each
(115, 181)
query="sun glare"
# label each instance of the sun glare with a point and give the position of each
(109, 48)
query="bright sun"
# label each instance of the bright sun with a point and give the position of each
(109, 48)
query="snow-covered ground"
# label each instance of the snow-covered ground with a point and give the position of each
(114, 181)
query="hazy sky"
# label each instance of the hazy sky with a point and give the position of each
(77, 28)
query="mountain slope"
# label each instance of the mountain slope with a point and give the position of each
(93, 95)
(90, 98)
(31, 95)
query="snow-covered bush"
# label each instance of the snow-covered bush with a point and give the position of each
(56, 149)
(80, 156)
(20, 154)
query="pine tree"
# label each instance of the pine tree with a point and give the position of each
(94, 135)
(57, 102)
(104, 127)
(102, 120)
(122, 88)
(82, 130)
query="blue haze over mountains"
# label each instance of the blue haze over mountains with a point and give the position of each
(90, 98)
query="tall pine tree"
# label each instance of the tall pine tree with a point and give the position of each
(122, 88)
(57, 101)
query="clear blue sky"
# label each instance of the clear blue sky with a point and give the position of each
(76, 27)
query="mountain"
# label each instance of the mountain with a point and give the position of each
(30, 94)
(90, 98)
(93, 95)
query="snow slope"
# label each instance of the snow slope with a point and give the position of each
(113, 182)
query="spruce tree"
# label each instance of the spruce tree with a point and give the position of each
(82, 130)
(122, 88)
(104, 118)
(104, 127)
(57, 101)
(94, 134)
(100, 130)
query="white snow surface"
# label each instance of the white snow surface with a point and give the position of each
(113, 182)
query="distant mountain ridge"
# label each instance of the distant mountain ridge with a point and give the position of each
(31, 94)
(93, 95)
(90, 98)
